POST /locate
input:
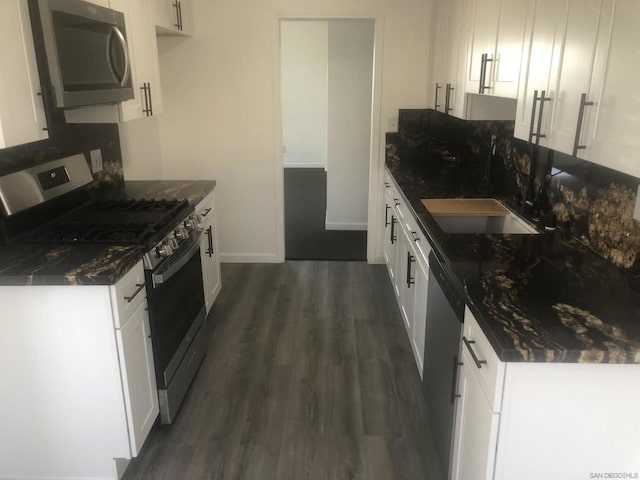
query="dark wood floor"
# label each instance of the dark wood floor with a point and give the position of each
(305, 208)
(309, 376)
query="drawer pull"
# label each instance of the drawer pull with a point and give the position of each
(206, 212)
(135, 294)
(454, 383)
(387, 185)
(396, 202)
(393, 229)
(477, 361)
(415, 236)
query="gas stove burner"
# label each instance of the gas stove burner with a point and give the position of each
(92, 233)
(140, 205)
(121, 222)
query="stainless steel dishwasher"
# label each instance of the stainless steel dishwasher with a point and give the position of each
(445, 313)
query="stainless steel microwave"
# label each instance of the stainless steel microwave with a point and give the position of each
(86, 53)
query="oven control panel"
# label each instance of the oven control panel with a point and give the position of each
(170, 244)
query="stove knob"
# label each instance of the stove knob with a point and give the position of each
(181, 233)
(191, 223)
(164, 250)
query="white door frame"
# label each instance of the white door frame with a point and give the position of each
(376, 152)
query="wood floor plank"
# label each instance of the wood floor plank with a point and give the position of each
(309, 375)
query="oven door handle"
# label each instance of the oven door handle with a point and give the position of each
(159, 278)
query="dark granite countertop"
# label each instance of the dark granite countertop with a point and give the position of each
(538, 298)
(24, 264)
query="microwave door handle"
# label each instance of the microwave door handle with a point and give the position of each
(115, 32)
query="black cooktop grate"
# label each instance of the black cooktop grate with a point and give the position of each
(130, 222)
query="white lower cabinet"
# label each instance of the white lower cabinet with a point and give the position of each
(476, 426)
(77, 381)
(406, 250)
(530, 420)
(138, 376)
(209, 251)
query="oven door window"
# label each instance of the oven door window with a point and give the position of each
(173, 307)
(91, 53)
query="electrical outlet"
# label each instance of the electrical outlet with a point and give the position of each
(636, 210)
(96, 160)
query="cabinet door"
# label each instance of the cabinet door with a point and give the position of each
(476, 428)
(545, 29)
(210, 260)
(505, 68)
(138, 376)
(407, 261)
(421, 279)
(573, 73)
(484, 33)
(612, 130)
(439, 55)
(173, 17)
(460, 18)
(143, 53)
(22, 117)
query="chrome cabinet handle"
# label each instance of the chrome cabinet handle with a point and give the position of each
(386, 215)
(542, 98)
(468, 343)
(436, 105)
(454, 383)
(206, 212)
(393, 227)
(576, 141)
(483, 72)
(396, 202)
(130, 298)
(148, 106)
(178, 7)
(415, 236)
(447, 108)
(533, 115)
(387, 185)
(410, 259)
(209, 250)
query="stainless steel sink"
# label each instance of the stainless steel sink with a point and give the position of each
(477, 215)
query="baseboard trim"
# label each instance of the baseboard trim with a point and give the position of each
(345, 226)
(250, 258)
(306, 165)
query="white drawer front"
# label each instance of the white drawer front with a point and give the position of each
(487, 368)
(127, 294)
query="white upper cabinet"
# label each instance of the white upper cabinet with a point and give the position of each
(22, 116)
(145, 70)
(173, 17)
(495, 47)
(544, 33)
(439, 55)
(449, 56)
(611, 127)
(143, 50)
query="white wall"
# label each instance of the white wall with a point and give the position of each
(350, 84)
(141, 153)
(222, 107)
(304, 59)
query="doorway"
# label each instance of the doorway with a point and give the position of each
(326, 95)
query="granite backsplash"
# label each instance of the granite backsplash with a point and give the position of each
(585, 200)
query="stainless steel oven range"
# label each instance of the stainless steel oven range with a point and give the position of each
(47, 204)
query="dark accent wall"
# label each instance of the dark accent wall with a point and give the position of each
(590, 202)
